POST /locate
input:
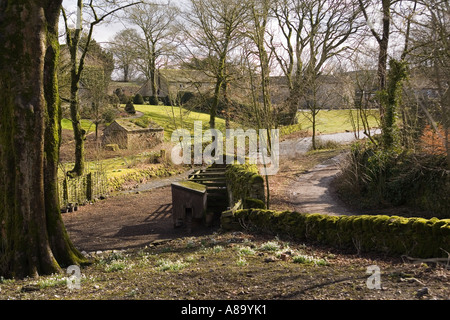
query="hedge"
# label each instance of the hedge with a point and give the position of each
(393, 235)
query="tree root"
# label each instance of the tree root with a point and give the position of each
(438, 261)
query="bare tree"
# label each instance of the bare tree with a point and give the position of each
(212, 33)
(256, 31)
(155, 22)
(381, 36)
(314, 32)
(430, 55)
(123, 47)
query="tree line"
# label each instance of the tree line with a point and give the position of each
(235, 42)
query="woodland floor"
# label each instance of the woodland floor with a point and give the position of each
(137, 254)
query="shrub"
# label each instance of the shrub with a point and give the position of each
(123, 98)
(152, 100)
(373, 177)
(110, 114)
(129, 108)
(185, 96)
(138, 99)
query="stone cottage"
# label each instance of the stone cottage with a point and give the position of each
(129, 135)
(170, 82)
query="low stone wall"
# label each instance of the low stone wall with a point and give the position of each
(245, 190)
(146, 139)
(245, 184)
(392, 235)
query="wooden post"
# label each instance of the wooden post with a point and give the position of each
(65, 191)
(89, 186)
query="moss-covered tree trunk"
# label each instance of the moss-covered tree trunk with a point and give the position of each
(33, 238)
(390, 99)
(79, 133)
(76, 67)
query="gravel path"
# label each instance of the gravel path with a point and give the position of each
(310, 192)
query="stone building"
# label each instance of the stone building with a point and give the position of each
(129, 135)
(171, 82)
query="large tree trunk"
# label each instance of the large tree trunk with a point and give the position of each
(33, 237)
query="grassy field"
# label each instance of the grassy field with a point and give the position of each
(332, 121)
(173, 118)
(66, 124)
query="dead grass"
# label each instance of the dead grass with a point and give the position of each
(230, 266)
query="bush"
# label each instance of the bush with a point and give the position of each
(152, 100)
(418, 237)
(138, 99)
(129, 107)
(123, 98)
(374, 178)
(185, 96)
(110, 114)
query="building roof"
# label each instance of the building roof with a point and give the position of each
(130, 125)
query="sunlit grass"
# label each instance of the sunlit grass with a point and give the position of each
(173, 118)
(332, 121)
(66, 124)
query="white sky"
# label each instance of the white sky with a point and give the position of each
(103, 32)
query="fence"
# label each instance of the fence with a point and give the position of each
(83, 189)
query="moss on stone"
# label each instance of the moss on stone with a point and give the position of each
(191, 185)
(419, 237)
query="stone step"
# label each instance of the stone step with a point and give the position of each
(214, 183)
(203, 179)
(208, 174)
(217, 169)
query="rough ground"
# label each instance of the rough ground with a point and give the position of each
(238, 266)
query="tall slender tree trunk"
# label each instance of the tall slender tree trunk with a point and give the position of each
(153, 75)
(79, 133)
(383, 43)
(215, 104)
(33, 238)
(73, 40)
(220, 80)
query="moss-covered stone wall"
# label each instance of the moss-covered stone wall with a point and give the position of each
(245, 184)
(393, 235)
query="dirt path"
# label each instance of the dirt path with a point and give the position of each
(125, 221)
(311, 192)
